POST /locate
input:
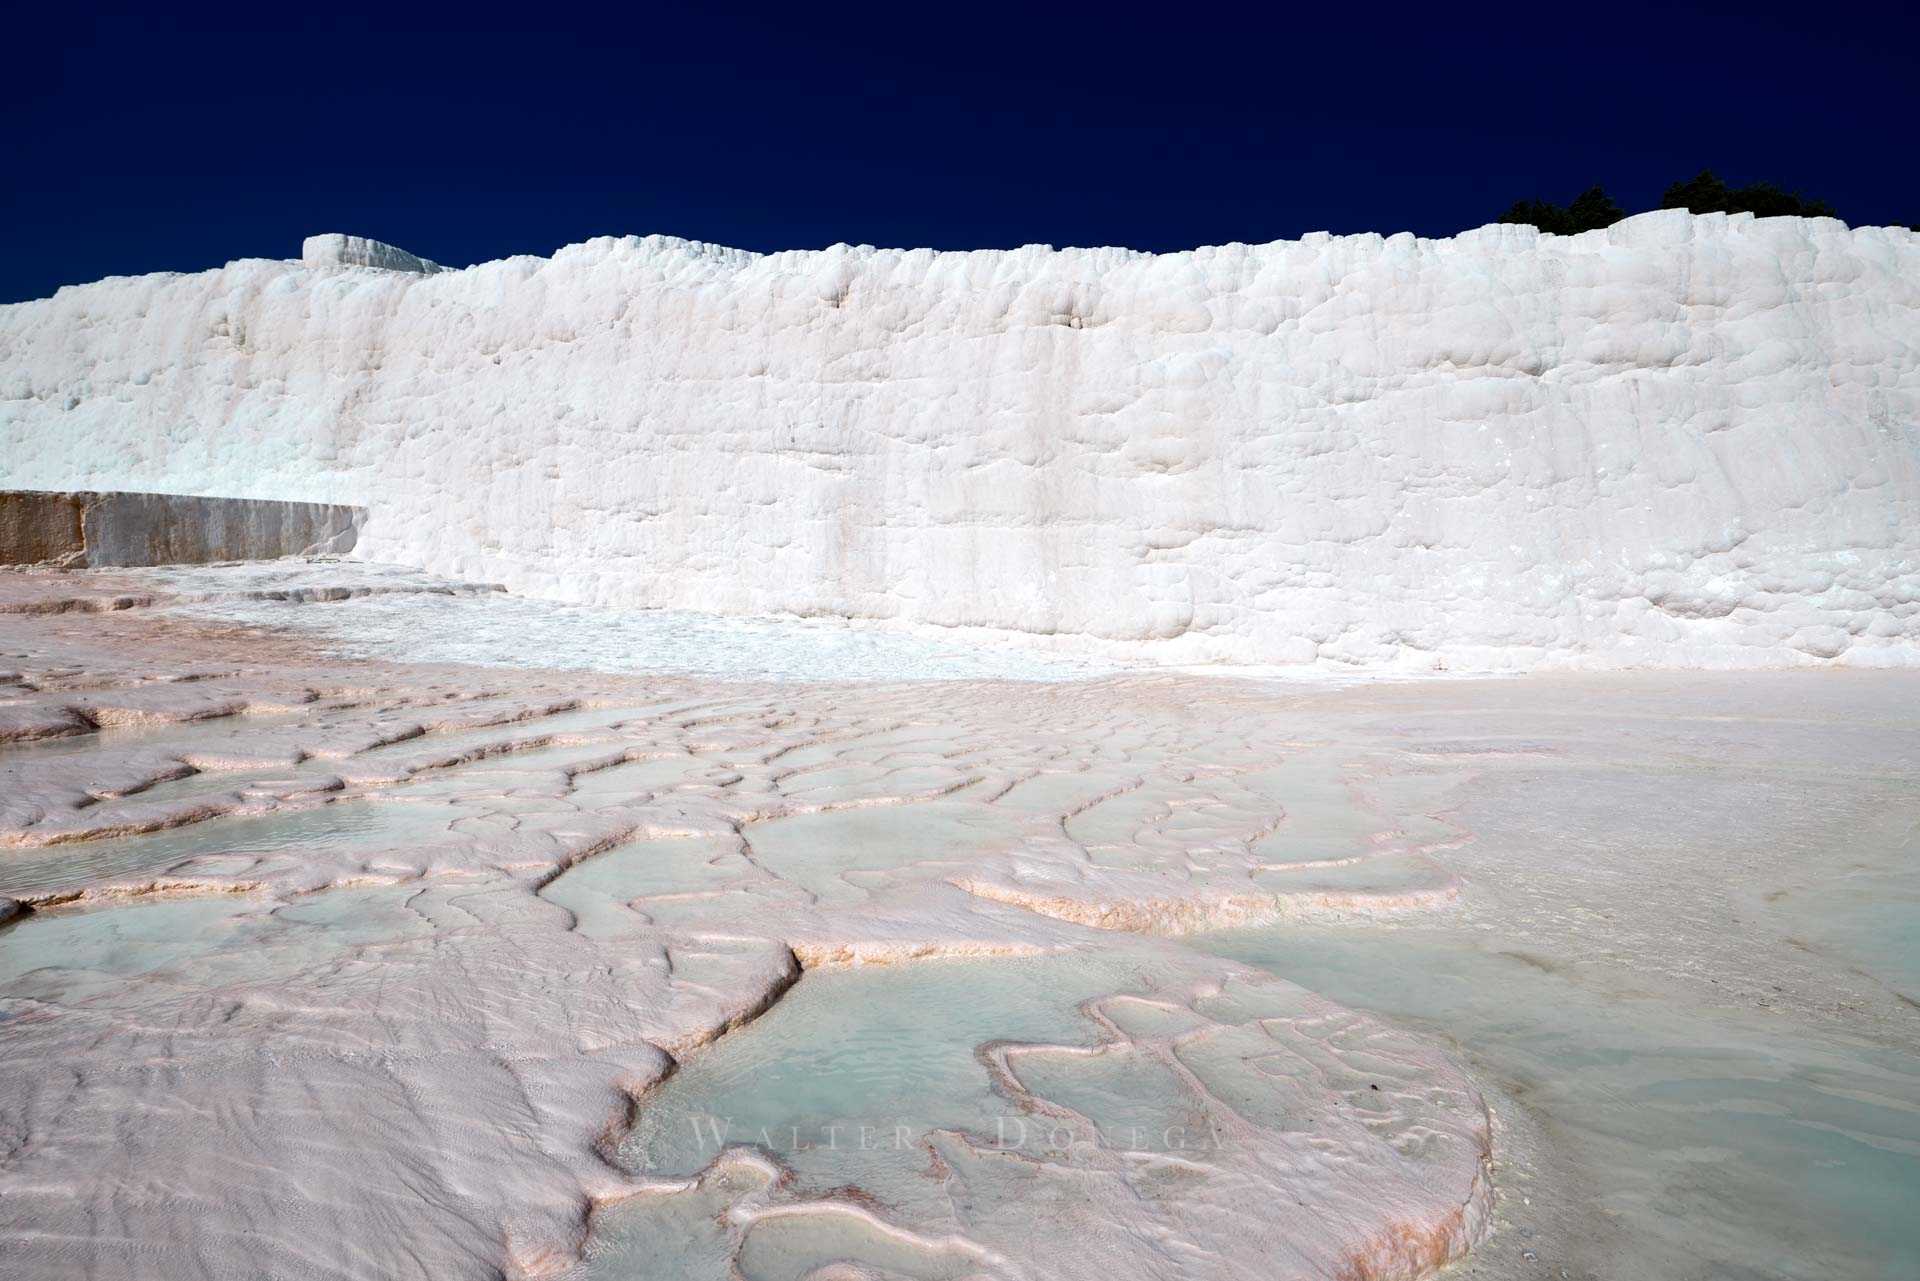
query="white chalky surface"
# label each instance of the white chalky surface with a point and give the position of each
(358, 970)
(1680, 441)
(355, 969)
(494, 630)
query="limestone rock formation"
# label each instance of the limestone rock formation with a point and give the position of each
(113, 530)
(336, 250)
(1682, 441)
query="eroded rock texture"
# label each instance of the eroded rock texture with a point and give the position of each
(358, 970)
(97, 531)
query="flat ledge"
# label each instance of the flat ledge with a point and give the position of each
(86, 529)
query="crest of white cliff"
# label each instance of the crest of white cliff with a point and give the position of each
(1689, 441)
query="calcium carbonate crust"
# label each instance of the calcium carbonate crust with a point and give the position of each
(1682, 441)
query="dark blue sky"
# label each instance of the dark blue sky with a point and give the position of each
(148, 141)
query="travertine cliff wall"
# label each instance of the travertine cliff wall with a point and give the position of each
(1681, 441)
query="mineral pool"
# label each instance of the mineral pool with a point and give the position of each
(513, 939)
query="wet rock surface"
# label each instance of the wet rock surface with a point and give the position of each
(354, 968)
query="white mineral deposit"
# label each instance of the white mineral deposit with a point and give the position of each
(1339, 759)
(1681, 441)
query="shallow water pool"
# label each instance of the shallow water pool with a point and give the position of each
(1716, 1141)
(221, 841)
(509, 631)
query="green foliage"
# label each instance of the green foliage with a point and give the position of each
(1591, 210)
(1705, 192)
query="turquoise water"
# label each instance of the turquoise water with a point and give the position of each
(1722, 1142)
(1870, 919)
(1860, 907)
(830, 1078)
(1711, 1142)
(68, 955)
(510, 631)
(841, 1082)
(222, 845)
(684, 1235)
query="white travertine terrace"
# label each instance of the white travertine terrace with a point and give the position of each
(336, 250)
(338, 968)
(365, 971)
(1681, 441)
(316, 965)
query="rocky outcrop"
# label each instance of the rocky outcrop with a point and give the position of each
(113, 530)
(336, 250)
